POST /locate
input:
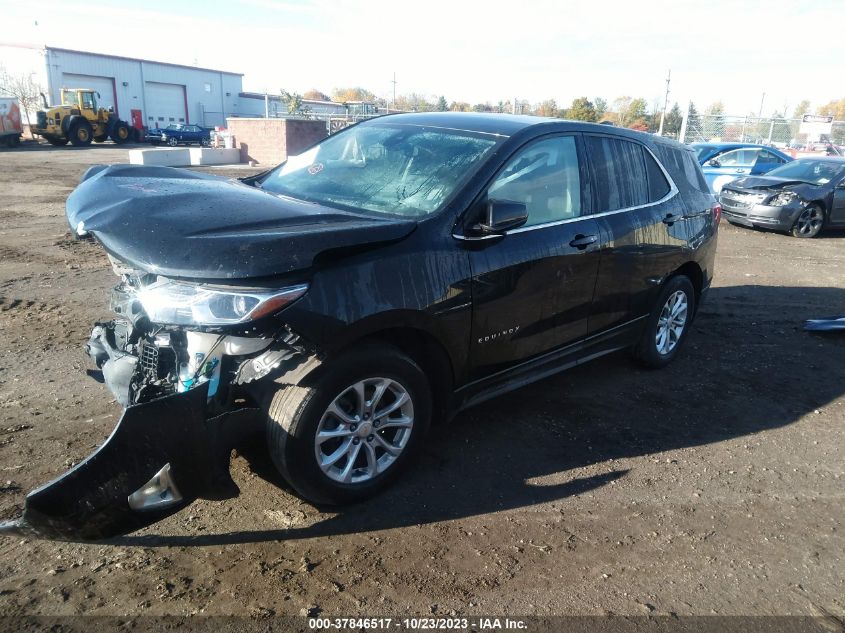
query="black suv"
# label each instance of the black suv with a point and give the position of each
(391, 275)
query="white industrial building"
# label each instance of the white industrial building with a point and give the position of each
(153, 94)
(142, 92)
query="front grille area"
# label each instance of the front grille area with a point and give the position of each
(737, 200)
(157, 362)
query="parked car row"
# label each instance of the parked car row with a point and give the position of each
(180, 133)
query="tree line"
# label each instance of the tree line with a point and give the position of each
(634, 113)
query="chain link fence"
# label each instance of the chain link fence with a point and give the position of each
(780, 132)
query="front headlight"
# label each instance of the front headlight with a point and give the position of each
(782, 199)
(180, 303)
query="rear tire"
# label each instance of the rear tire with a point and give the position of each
(810, 223)
(370, 451)
(80, 133)
(668, 324)
(120, 132)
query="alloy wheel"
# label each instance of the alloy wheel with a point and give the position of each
(364, 430)
(671, 322)
(810, 221)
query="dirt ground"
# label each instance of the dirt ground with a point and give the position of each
(712, 487)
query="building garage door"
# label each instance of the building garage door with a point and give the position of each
(165, 104)
(103, 85)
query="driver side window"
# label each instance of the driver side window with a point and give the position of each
(738, 158)
(545, 177)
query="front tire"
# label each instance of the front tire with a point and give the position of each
(172, 141)
(668, 324)
(810, 223)
(120, 133)
(348, 434)
(80, 133)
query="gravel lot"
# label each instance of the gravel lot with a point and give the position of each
(712, 487)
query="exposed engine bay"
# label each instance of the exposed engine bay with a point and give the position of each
(141, 360)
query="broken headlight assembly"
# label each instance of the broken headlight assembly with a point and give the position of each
(782, 199)
(180, 303)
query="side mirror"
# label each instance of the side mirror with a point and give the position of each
(501, 216)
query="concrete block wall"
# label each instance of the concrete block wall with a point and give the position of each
(268, 142)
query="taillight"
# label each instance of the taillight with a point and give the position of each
(717, 213)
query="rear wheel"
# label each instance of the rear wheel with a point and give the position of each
(205, 142)
(810, 222)
(348, 434)
(80, 133)
(668, 324)
(172, 141)
(120, 132)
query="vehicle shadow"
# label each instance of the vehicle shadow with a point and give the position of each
(748, 367)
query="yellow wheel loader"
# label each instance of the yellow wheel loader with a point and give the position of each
(79, 120)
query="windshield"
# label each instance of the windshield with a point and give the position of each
(399, 169)
(816, 172)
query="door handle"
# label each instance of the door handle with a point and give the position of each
(741, 171)
(583, 241)
(671, 218)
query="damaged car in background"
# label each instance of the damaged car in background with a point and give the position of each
(802, 197)
(393, 274)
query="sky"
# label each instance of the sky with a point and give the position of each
(731, 51)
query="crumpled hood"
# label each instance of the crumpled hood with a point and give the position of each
(181, 223)
(761, 183)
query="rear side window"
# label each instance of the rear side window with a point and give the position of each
(682, 165)
(619, 173)
(658, 186)
(768, 159)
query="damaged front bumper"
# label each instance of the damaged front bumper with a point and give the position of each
(190, 396)
(161, 456)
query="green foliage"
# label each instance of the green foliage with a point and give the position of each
(673, 121)
(460, 106)
(582, 109)
(601, 107)
(442, 105)
(293, 103)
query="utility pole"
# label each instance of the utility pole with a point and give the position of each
(665, 103)
(513, 109)
(760, 115)
(394, 91)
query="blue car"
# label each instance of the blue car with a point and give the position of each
(724, 162)
(180, 133)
